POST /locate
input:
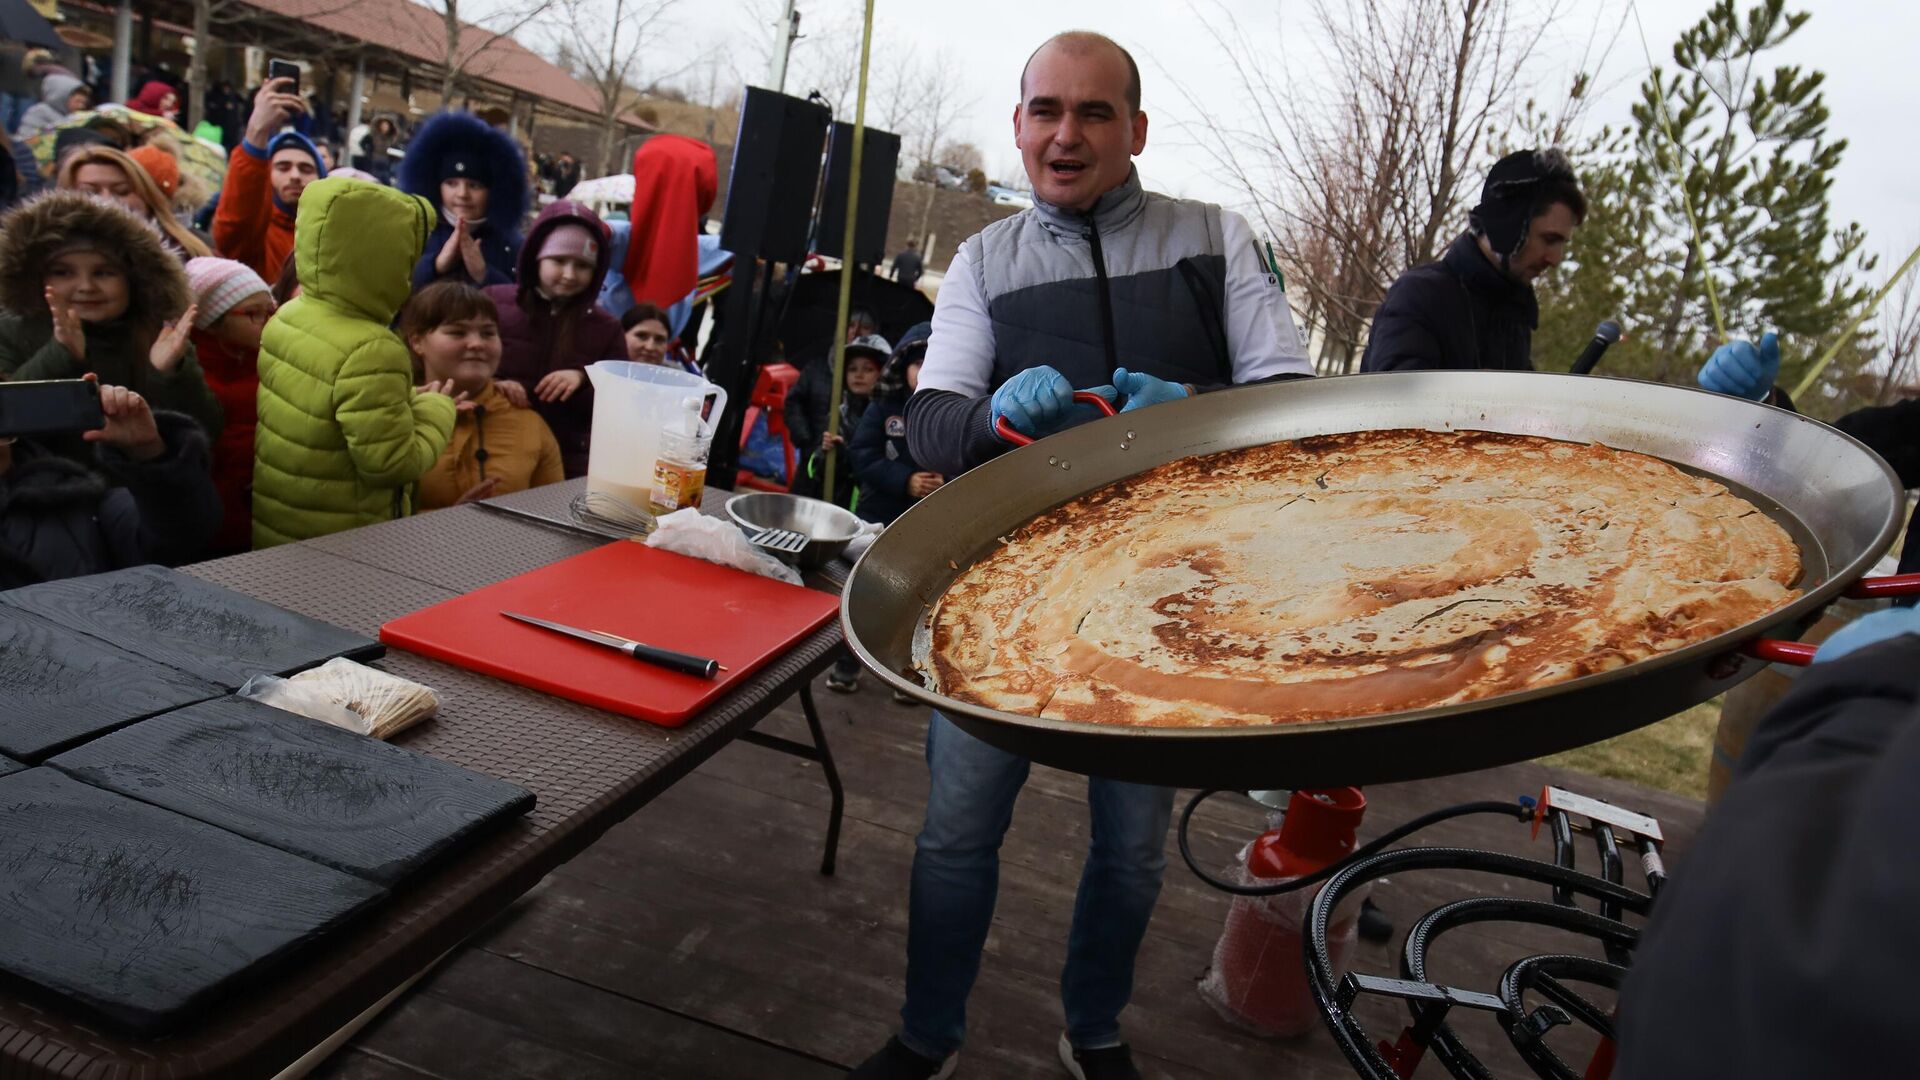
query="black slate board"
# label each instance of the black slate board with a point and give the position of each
(59, 687)
(141, 915)
(350, 802)
(191, 625)
(8, 765)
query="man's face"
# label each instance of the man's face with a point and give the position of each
(293, 170)
(1546, 246)
(1076, 134)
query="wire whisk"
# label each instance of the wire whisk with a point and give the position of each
(610, 515)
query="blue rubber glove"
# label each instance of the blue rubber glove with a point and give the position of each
(1142, 390)
(1869, 630)
(1739, 369)
(1034, 401)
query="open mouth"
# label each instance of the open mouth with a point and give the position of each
(1066, 168)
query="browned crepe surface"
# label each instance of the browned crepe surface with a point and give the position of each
(1352, 575)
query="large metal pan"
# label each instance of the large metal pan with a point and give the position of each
(1836, 497)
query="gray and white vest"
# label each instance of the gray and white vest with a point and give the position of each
(1156, 305)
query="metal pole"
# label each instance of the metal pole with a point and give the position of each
(847, 262)
(789, 32)
(122, 52)
(358, 91)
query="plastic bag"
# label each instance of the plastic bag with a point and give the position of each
(689, 532)
(348, 695)
(869, 532)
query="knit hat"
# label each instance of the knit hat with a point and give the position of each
(1508, 198)
(464, 162)
(151, 95)
(571, 241)
(872, 345)
(219, 286)
(348, 172)
(160, 165)
(294, 140)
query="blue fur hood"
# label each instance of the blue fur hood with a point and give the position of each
(446, 132)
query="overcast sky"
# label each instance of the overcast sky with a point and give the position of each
(1866, 48)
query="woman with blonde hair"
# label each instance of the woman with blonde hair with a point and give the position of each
(111, 174)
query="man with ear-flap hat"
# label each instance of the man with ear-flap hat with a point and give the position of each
(1475, 308)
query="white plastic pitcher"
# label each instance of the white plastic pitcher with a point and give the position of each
(631, 404)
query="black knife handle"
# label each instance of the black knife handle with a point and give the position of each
(678, 661)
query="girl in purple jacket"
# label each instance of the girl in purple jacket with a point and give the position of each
(551, 328)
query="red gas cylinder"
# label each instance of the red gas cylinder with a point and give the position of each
(1259, 977)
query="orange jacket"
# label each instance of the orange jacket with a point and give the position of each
(520, 453)
(249, 227)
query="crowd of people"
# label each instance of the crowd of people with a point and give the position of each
(327, 349)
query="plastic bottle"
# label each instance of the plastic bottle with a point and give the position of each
(680, 467)
(1259, 978)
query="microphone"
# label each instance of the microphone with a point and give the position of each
(1604, 335)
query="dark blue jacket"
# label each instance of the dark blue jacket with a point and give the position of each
(461, 133)
(882, 461)
(61, 519)
(1459, 314)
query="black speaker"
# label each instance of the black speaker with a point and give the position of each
(776, 169)
(877, 164)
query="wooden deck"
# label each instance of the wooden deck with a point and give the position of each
(697, 939)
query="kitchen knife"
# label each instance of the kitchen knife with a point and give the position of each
(681, 662)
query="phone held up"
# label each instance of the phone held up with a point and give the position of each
(284, 69)
(56, 405)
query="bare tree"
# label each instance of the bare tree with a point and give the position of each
(608, 40)
(962, 158)
(229, 14)
(1365, 170)
(1900, 333)
(463, 50)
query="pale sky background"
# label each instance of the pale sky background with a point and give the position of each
(1865, 47)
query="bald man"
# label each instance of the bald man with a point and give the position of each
(1142, 299)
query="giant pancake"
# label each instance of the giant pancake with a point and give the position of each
(1352, 575)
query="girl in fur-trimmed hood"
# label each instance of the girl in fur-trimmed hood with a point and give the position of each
(476, 178)
(88, 287)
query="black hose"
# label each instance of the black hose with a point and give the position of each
(1517, 810)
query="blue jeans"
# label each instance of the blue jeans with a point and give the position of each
(956, 876)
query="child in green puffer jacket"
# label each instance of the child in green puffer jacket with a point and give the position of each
(343, 433)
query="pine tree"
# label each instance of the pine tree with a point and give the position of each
(1751, 151)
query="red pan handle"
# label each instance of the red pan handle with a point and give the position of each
(1875, 588)
(1087, 397)
(1800, 654)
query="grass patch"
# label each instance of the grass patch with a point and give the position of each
(1671, 755)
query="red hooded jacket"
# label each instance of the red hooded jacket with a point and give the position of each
(674, 182)
(538, 336)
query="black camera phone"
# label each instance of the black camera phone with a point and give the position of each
(42, 408)
(284, 69)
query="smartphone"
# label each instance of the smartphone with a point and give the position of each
(42, 408)
(284, 69)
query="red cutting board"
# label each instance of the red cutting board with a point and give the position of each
(672, 601)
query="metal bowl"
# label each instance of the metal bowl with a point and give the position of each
(827, 527)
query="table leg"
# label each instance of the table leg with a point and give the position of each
(821, 753)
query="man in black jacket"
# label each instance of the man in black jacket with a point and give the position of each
(1475, 308)
(1782, 948)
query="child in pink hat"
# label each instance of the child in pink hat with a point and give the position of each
(234, 306)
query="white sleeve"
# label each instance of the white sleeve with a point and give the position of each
(960, 352)
(1261, 336)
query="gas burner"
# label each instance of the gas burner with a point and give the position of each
(1551, 977)
(1582, 905)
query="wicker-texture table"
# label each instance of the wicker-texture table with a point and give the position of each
(589, 769)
